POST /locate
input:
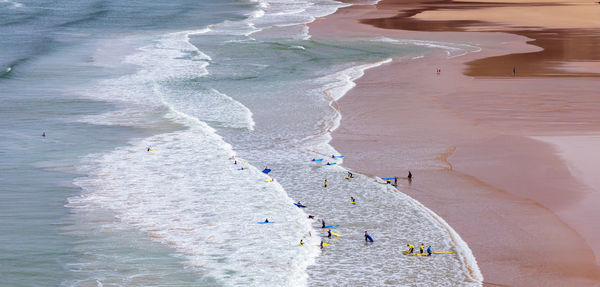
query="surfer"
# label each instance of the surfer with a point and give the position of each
(332, 156)
(367, 236)
(352, 199)
(411, 248)
(322, 223)
(395, 180)
(428, 250)
(388, 181)
(321, 244)
(421, 248)
(311, 216)
(329, 233)
(147, 148)
(43, 134)
(266, 220)
(301, 243)
(350, 175)
(313, 159)
(325, 183)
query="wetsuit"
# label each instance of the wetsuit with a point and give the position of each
(411, 248)
(329, 233)
(429, 251)
(322, 223)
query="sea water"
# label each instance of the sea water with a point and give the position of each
(203, 86)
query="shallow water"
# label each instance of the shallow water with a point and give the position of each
(197, 84)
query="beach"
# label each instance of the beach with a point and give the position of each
(500, 156)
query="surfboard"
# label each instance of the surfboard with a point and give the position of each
(369, 237)
(353, 202)
(386, 178)
(151, 150)
(239, 162)
(332, 226)
(331, 163)
(338, 156)
(319, 159)
(299, 205)
(324, 244)
(336, 234)
(269, 180)
(443, 252)
(266, 170)
(405, 252)
(262, 222)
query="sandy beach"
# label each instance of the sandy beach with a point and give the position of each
(501, 157)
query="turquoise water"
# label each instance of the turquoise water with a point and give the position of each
(198, 83)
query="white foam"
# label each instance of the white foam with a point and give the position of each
(189, 196)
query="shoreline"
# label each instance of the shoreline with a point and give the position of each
(437, 136)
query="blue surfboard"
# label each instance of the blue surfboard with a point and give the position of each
(319, 159)
(299, 205)
(332, 226)
(266, 170)
(369, 237)
(331, 163)
(265, 222)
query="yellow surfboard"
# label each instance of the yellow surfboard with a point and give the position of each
(336, 234)
(353, 202)
(443, 252)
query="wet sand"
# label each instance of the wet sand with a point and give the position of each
(467, 138)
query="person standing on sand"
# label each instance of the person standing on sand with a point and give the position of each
(395, 180)
(514, 71)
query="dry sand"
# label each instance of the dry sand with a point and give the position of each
(528, 217)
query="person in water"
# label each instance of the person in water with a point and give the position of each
(313, 159)
(325, 183)
(428, 250)
(311, 216)
(148, 149)
(352, 199)
(43, 134)
(366, 236)
(421, 248)
(350, 175)
(322, 223)
(329, 233)
(332, 156)
(301, 243)
(411, 248)
(267, 220)
(321, 244)
(388, 181)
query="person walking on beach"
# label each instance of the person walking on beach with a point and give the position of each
(325, 183)
(428, 250)
(421, 248)
(514, 71)
(395, 180)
